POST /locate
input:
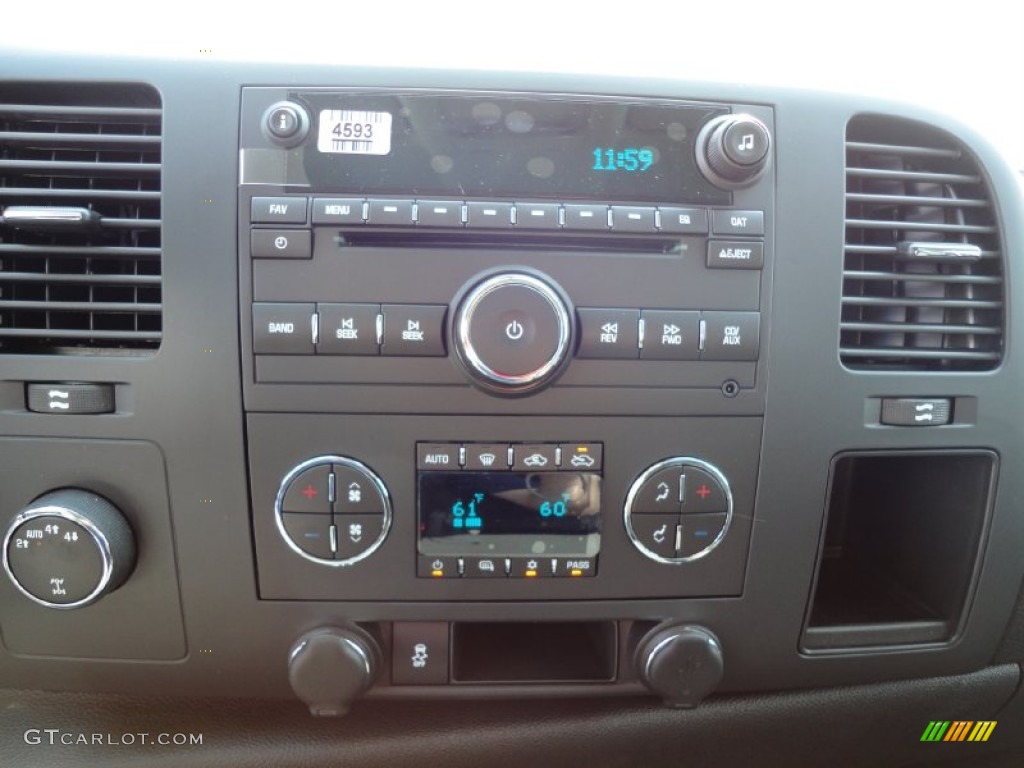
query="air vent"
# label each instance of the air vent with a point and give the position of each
(80, 227)
(922, 275)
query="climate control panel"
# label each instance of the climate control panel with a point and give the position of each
(333, 510)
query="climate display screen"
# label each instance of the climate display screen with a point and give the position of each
(487, 145)
(509, 514)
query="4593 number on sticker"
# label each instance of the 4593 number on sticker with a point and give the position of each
(354, 132)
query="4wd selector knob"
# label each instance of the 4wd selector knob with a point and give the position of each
(512, 332)
(732, 150)
(68, 548)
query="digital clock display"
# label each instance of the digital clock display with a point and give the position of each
(509, 513)
(629, 159)
(488, 146)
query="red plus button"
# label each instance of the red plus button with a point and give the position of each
(309, 491)
(702, 492)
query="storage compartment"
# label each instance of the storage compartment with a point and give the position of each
(901, 548)
(533, 652)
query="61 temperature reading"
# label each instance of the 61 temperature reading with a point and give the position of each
(626, 159)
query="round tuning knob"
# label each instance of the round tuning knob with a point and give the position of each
(513, 332)
(68, 548)
(680, 662)
(733, 150)
(331, 667)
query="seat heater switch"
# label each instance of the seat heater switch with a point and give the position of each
(70, 398)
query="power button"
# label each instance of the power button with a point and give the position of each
(512, 332)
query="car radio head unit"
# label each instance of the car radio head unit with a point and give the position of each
(505, 146)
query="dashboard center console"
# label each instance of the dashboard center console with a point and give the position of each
(480, 256)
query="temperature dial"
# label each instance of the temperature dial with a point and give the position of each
(68, 549)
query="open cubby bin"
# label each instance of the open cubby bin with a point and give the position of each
(901, 547)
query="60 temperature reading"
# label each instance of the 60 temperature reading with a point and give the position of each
(555, 508)
(626, 159)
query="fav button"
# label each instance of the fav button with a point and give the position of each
(279, 210)
(731, 335)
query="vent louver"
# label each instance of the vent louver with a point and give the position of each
(91, 152)
(922, 275)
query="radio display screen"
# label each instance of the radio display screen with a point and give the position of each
(509, 514)
(486, 145)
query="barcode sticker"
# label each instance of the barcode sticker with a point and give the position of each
(354, 132)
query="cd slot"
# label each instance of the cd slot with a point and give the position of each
(463, 239)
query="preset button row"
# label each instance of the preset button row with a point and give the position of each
(505, 215)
